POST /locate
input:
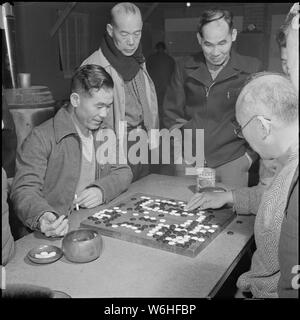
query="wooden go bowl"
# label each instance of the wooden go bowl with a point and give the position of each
(82, 245)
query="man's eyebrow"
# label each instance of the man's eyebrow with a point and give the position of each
(104, 104)
(207, 42)
(122, 31)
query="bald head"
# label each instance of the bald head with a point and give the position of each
(271, 95)
(124, 8)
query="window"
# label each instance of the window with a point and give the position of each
(73, 42)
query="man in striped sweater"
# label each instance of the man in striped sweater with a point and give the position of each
(267, 112)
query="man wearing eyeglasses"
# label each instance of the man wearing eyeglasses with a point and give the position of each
(120, 54)
(203, 92)
(267, 111)
(267, 115)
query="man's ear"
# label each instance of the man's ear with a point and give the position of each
(199, 38)
(75, 99)
(233, 34)
(265, 127)
(109, 29)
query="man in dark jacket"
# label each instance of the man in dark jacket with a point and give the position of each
(58, 166)
(203, 92)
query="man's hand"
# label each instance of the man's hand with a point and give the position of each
(90, 198)
(211, 200)
(52, 226)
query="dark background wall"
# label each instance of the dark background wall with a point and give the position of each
(38, 52)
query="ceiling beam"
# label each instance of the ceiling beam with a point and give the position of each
(62, 18)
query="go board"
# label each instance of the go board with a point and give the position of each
(160, 223)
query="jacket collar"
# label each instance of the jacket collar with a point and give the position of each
(240, 63)
(63, 123)
(103, 61)
(235, 65)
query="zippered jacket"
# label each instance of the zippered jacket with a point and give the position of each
(194, 101)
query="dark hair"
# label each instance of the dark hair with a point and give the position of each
(281, 38)
(160, 45)
(89, 77)
(213, 15)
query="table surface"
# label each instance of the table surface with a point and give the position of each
(126, 269)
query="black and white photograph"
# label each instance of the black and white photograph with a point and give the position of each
(150, 154)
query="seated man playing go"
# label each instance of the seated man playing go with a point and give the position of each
(57, 167)
(267, 113)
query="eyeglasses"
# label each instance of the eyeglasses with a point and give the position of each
(238, 129)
